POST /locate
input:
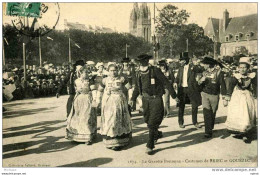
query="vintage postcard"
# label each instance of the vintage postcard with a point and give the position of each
(130, 84)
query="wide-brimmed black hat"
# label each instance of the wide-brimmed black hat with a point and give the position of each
(125, 60)
(184, 56)
(209, 60)
(162, 63)
(79, 63)
(143, 57)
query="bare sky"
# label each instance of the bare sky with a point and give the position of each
(116, 15)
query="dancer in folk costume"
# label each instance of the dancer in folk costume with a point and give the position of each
(69, 81)
(116, 127)
(98, 77)
(128, 71)
(150, 83)
(213, 84)
(241, 116)
(82, 120)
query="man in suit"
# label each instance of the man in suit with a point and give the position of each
(69, 80)
(150, 84)
(188, 89)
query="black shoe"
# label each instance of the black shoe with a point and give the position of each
(238, 136)
(149, 151)
(88, 143)
(182, 126)
(246, 140)
(197, 125)
(208, 135)
(116, 148)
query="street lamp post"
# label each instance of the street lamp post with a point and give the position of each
(3, 53)
(187, 45)
(126, 46)
(24, 63)
(215, 47)
(69, 52)
(126, 50)
(73, 43)
(40, 51)
(4, 39)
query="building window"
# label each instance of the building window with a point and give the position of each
(247, 37)
(237, 37)
(227, 38)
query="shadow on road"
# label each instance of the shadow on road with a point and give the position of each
(40, 127)
(182, 135)
(17, 104)
(20, 113)
(192, 139)
(47, 145)
(90, 163)
(174, 111)
(44, 145)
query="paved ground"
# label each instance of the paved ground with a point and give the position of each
(33, 136)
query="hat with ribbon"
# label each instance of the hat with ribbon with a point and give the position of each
(143, 57)
(79, 63)
(90, 62)
(245, 60)
(162, 63)
(209, 60)
(184, 56)
(125, 60)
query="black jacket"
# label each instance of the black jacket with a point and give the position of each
(193, 88)
(161, 82)
(68, 81)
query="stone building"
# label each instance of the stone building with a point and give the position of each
(234, 34)
(140, 21)
(83, 27)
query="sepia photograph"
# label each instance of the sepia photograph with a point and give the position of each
(130, 84)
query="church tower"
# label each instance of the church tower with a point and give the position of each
(133, 19)
(140, 22)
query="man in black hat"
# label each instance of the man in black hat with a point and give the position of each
(150, 84)
(188, 89)
(213, 84)
(69, 81)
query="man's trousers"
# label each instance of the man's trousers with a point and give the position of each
(153, 116)
(210, 107)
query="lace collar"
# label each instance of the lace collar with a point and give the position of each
(249, 75)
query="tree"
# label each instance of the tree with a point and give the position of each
(198, 43)
(93, 46)
(171, 25)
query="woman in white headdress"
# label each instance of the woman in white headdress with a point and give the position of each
(82, 120)
(98, 77)
(241, 117)
(116, 127)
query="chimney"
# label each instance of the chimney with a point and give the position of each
(225, 20)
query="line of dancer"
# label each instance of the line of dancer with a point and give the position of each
(113, 93)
